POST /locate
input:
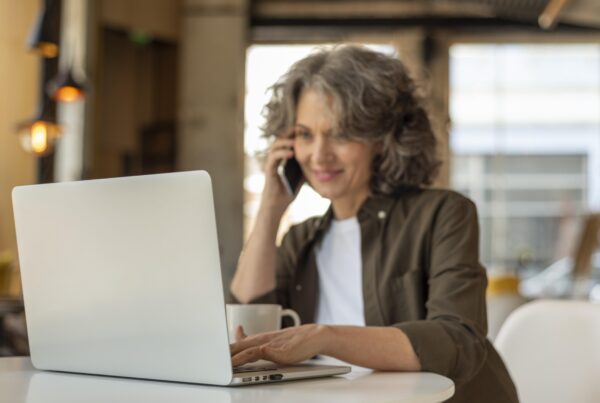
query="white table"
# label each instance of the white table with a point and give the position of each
(20, 382)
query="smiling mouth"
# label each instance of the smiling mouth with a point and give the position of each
(326, 176)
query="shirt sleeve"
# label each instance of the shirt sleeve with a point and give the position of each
(452, 339)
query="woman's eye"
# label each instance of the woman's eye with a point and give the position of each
(304, 135)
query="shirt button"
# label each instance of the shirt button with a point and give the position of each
(298, 287)
(381, 214)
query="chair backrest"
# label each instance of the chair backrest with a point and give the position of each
(552, 351)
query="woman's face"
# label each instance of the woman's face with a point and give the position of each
(338, 169)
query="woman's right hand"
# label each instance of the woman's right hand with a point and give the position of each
(275, 198)
(255, 275)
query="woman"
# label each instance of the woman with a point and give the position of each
(389, 278)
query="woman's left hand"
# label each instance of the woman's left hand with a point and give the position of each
(287, 346)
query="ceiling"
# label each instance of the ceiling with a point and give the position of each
(572, 13)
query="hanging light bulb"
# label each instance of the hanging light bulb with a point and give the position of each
(39, 137)
(39, 134)
(43, 39)
(65, 88)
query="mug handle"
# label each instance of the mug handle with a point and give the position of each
(292, 314)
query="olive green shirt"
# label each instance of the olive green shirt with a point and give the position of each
(421, 274)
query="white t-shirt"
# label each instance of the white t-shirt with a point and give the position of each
(339, 263)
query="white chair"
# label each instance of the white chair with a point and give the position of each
(552, 351)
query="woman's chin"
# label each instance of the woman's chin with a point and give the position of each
(331, 189)
(327, 192)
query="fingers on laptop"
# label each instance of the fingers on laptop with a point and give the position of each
(269, 350)
(286, 346)
(248, 355)
(264, 352)
(261, 346)
(239, 333)
(250, 341)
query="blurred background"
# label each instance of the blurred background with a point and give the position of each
(104, 88)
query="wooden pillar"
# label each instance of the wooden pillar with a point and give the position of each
(19, 80)
(438, 63)
(211, 115)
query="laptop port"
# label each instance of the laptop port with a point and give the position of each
(264, 377)
(248, 379)
(256, 378)
(275, 377)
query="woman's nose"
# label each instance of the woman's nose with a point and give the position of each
(322, 151)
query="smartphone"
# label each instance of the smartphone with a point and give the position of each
(291, 176)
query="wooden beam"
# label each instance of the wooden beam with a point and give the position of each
(366, 9)
(588, 242)
(549, 17)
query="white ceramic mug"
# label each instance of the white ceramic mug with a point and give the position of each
(256, 318)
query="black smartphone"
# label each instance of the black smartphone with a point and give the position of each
(291, 175)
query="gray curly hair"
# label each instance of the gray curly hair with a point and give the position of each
(374, 101)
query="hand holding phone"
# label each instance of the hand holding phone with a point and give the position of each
(291, 176)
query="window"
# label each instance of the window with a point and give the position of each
(525, 142)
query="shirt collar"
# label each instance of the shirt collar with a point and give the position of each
(375, 207)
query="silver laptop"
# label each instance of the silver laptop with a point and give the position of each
(122, 277)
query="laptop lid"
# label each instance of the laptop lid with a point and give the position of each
(122, 277)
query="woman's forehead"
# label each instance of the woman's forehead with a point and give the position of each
(314, 107)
